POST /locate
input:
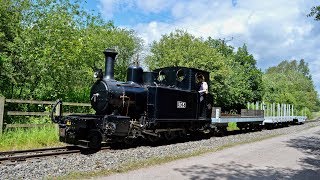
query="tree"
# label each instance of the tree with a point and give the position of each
(53, 54)
(221, 46)
(10, 27)
(253, 75)
(315, 12)
(245, 81)
(290, 82)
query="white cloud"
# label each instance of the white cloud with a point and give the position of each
(273, 30)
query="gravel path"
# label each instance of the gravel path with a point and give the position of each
(62, 165)
(288, 157)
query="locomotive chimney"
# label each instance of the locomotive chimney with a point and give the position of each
(110, 55)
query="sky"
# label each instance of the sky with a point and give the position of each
(273, 30)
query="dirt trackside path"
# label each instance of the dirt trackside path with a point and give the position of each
(285, 157)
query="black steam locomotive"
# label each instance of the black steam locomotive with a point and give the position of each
(162, 104)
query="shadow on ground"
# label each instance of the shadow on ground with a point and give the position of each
(310, 166)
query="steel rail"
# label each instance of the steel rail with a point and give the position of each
(12, 155)
(24, 157)
(33, 150)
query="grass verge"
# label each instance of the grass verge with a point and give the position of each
(20, 138)
(315, 115)
(153, 161)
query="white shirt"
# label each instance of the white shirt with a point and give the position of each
(203, 89)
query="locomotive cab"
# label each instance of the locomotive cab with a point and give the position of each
(178, 94)
(180, 77)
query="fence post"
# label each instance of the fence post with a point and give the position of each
(58, 110)
(58, 113)
(2, 100)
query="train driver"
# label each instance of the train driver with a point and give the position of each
(203, 87)
(203, 90)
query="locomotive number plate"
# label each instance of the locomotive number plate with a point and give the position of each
(181, 104)
(62, 132)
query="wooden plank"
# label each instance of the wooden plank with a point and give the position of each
(2, 100)
(27, 125)
(44, 102)
(75, 104)
(19, 113)
(28, 101)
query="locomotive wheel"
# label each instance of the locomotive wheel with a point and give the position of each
(94, 138)
(182, 134)
(153, 139)
(221, 131)
(169, 136)
(129, 141)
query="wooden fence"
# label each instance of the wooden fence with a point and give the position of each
(4, 113)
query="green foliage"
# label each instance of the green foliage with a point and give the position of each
(232, 126)
(10, 27)
(234, 77)
(53, 48)
(18, 139)
(290, 82)
(315, 12)
(245, 82)
(315, 115)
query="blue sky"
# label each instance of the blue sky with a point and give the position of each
(273, 30)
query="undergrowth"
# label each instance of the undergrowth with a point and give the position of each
(315, 115)
(29, 138)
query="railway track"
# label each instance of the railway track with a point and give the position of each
(22, 155)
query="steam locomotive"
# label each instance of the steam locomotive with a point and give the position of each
(161, 104)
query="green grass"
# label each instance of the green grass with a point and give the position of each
(29, 138)
(315, 115)
(232, 126)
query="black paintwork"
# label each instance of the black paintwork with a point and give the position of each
(135, 74)
(110, 55)
(144, 99)
(162, 104)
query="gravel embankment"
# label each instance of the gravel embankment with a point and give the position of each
(62, 165)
